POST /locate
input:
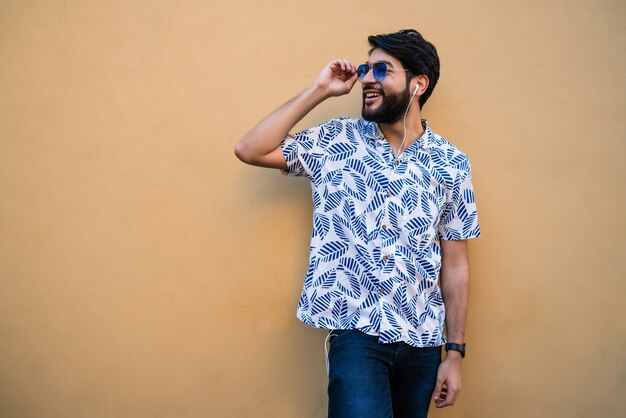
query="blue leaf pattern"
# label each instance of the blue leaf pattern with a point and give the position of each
(321, 225)
(375, 245)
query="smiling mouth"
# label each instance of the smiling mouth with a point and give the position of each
(371, 96)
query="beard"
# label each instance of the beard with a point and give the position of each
(391, 109)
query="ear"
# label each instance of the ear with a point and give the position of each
(419, 84)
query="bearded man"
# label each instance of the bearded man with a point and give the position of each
(393, 209)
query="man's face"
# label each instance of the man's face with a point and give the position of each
(385, 101)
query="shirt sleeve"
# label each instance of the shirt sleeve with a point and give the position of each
(304, 150)
(460, 219)
(296, 149)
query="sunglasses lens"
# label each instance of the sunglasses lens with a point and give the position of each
(380, 71)
(362, 70)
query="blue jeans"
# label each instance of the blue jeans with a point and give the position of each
(368, 379)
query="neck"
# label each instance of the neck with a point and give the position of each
(394, 132)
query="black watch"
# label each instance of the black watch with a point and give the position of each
(456, 347)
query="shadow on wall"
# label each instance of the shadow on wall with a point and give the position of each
(267, 186)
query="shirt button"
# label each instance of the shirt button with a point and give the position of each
(384, 226)
(385, 257)
(388, 194)
(382, 291)
(396, 162)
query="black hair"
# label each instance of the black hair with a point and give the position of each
(414, 52)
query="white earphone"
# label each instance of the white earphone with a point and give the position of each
(404, 122)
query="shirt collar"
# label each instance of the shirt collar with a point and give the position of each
(372, 132)
(427, 140)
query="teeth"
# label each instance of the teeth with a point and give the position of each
(371, 95)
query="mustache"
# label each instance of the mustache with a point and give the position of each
(373, 87)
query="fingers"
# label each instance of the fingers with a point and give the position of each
(343, 66)
(448, 384)
(337, 78)
(438, 389)
(350, 82)
(441, 396)
(445, 397)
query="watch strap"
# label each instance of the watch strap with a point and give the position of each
(456, 347)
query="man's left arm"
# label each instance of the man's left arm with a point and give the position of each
(455, 289)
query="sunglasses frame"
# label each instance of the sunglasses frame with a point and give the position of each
(379, 70)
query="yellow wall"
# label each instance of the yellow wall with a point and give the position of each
(145, 272)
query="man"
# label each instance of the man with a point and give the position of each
(393, 208)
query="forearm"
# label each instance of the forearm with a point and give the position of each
(255, 147)
(455, 290)
(455, 287)
(261, 146)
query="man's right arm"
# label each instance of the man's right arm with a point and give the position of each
(261, 146)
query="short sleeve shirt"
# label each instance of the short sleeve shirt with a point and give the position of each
(375, 251)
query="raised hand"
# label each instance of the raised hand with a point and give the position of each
(261, 145)
(337, 78)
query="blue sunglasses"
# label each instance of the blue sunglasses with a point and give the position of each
(379, 69)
